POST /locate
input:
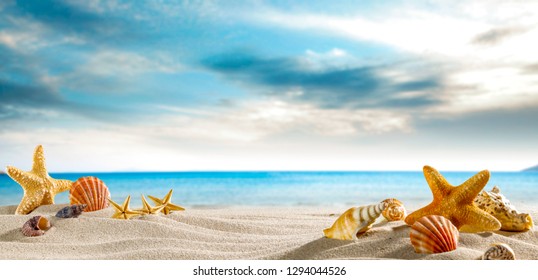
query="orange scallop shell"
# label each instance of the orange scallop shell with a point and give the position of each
(434, 234)
(90, 191)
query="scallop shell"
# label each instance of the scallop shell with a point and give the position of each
(499, 251)
(500, 207)
(394, 210)
(90, 191)
(72, 211)
(434, 234)
(36, 226)
(354, 222)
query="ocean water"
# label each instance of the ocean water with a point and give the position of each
(214, 189)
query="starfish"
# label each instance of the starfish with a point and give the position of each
(166, 201)
(123, 211)
(456, 203)
(147, 209)
(39, 188)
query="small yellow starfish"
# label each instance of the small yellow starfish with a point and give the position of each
(166, 201)
(39, 188)
(147, 209)
(456, 203)
(123, 211)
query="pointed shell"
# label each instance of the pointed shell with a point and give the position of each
(354, 222)
(499, 251)
(394, 210)
(72, 211)
(36, 226)
(500, 207)
(434, 234)
(90, 191)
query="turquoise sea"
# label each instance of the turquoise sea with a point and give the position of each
(214, 189)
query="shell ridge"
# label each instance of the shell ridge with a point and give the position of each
(431, 231)
(433, 234)
(423, 236)
(442, 230)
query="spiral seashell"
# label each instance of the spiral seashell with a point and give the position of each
(90, 191)
(434, 234)
(394, 210)
(36, 226)
(499, 251)
(354, 222)
(72, 211)
(500, 207)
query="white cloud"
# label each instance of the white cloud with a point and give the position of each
(99, 6)
(480, 54)
(257, 120)
(114, 71)
(119, 63)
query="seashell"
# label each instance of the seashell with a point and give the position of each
(499, 206)
(72, 211)
(499, 251)
(434, 234)
(90, 191)
(36, 226)
(394, 210)
(354, 222)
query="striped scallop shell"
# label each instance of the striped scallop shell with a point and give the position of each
(354, 222)
(434, 234)
(499, 251)
(90, 191)
(36, 226)
(394, 210)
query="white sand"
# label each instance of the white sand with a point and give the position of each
(229, 233)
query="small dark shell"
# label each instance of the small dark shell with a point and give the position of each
(36, 226)
(72, 211)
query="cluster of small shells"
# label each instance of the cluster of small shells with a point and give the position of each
(86, 194)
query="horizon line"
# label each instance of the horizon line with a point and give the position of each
(254, 171)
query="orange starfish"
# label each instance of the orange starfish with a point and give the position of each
(39, 188)
(456, 203)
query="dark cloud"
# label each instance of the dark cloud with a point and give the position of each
(24, 97)
(349, 87)
(496, 35)
(16, 99)
(20, 86)
(66, 19)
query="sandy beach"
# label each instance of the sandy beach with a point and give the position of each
(229, 233)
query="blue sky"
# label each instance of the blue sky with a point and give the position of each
(269, 85)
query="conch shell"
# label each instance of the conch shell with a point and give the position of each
(90, 191)
(36, 226)
(354, 222)
(499, 206)
(394, 210)
(499, 251)
(72, 211)
(434, 234)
